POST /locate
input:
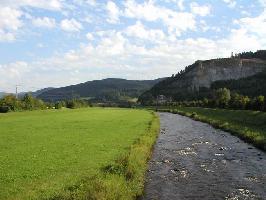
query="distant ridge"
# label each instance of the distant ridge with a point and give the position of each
(39, 92)
(2, 94)
(106, 90)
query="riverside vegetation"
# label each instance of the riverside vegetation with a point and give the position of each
(224, 98)
(11, 103)
(88, 153)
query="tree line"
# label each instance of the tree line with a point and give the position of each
(260, 54)
(224, 98)
(11, 103)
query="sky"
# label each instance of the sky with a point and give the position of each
(54, 43)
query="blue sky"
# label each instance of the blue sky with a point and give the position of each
(55, 43)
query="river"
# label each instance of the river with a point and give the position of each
(192, 160)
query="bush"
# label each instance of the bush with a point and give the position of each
(71, 104)
(11, 103)
(222, 97)
(260, 102)
(4, 109)
(76, 103)
(59, 105)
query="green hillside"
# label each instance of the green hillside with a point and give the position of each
(106, 90)
(251, 86)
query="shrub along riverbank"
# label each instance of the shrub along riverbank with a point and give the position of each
(247, 125)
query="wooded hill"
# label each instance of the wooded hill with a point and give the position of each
(106, 90)
(250, 86)
(244, 73)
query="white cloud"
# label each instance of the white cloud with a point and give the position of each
(112, 45)
(14, 73)
(113, 12)
(244, 12)
(180, 4)
(89, 36)
(138, 30)
(147, 10)
(10, 18)
(45, 22)
(10, 22)
(6, 36)
(84, 2)
(176, 22)
(263, 2)
(11, 14)
(241, 40)
(91, 2)
(71, 25)
(40, 45)
(200, 10)
(44, 4)
(252, 32)
(254, 25)
(230, 3)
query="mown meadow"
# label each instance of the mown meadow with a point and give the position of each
(89, 153)
(246, 124)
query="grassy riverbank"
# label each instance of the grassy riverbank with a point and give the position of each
(248, 125)
(93, 153)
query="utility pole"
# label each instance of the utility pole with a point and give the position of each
(17, 91)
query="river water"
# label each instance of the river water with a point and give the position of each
(192, 160)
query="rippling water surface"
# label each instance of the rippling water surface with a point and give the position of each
(192, 160)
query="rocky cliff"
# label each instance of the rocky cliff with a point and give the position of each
(198, 77)
(204, 73)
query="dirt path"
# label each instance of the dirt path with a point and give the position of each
(192, 160)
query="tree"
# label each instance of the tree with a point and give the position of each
(205, 102)
(58, 105)
(222, 97)
(260, 102)
(239, 101)
(10, 102)
(245, 101)
(28, 102)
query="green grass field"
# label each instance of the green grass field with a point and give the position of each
(91, 153)
(248, 125)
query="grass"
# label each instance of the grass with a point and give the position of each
(91, 153)
(248, 125)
